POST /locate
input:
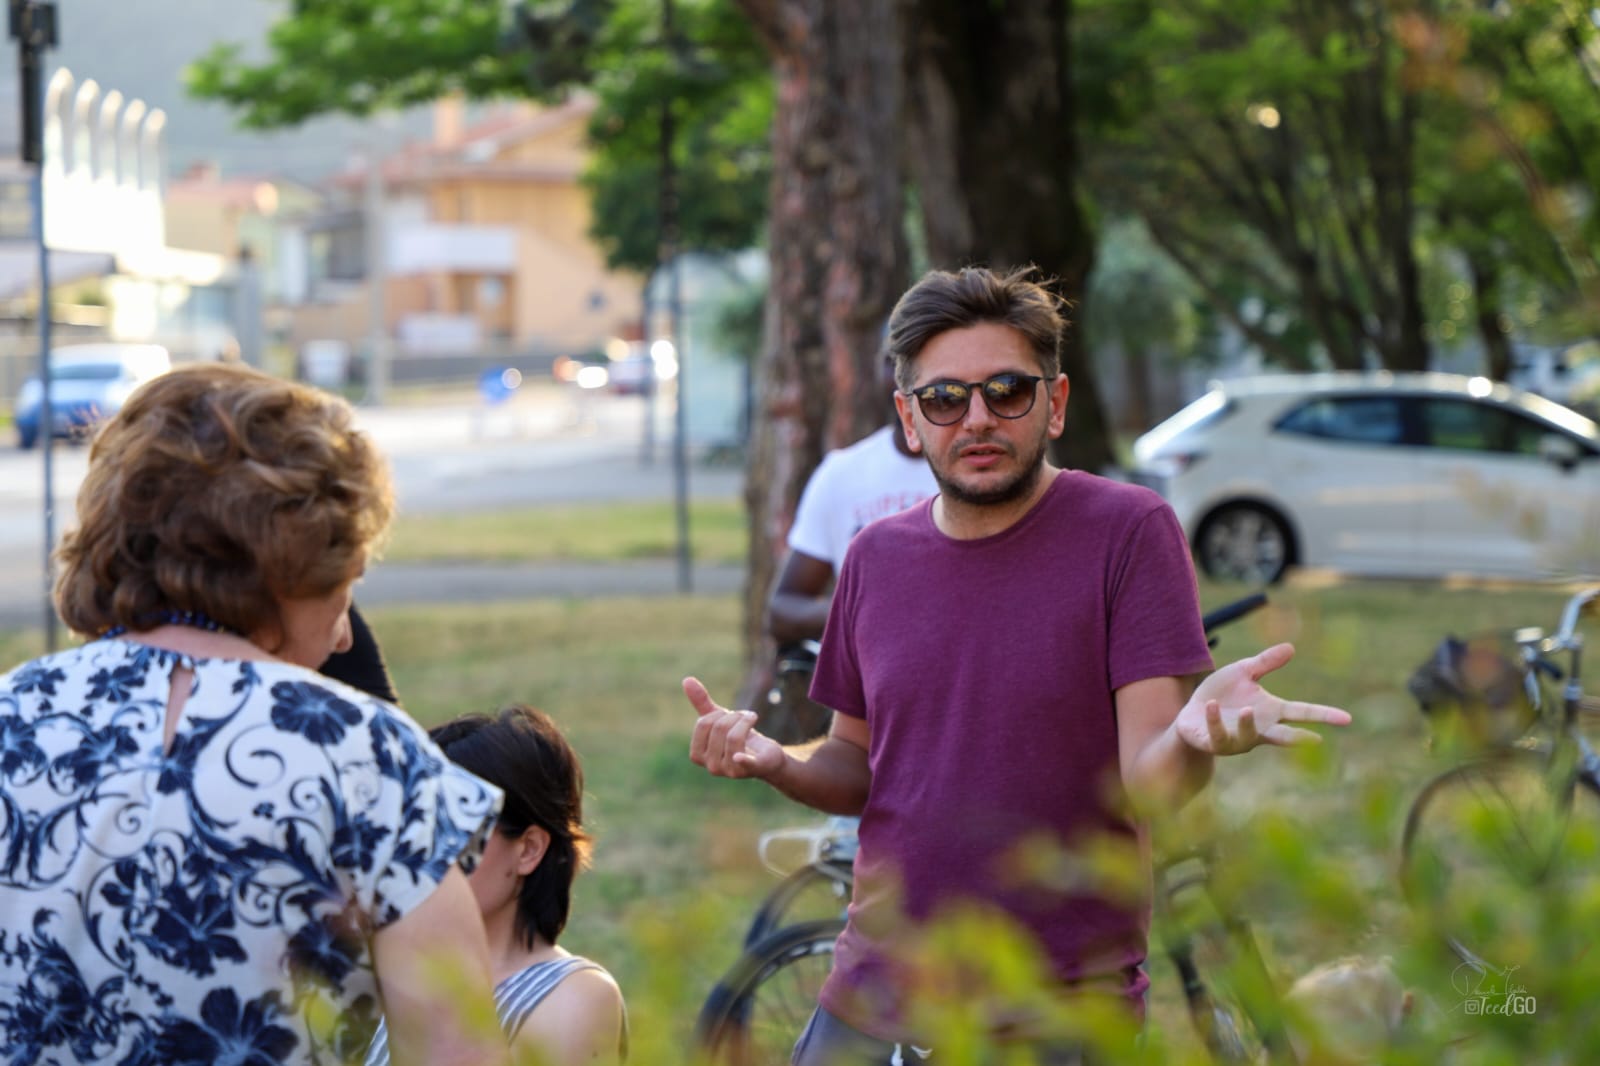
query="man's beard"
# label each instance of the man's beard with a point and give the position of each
(1015, 488)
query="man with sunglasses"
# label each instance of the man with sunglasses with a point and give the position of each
(1010, 668)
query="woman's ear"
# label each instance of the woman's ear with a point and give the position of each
(531, 846)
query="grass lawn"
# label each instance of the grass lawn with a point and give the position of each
(675, 873)
(585, 532)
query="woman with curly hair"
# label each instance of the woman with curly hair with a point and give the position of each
(209, 852)
(558, 1009)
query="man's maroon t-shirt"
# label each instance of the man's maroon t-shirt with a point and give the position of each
(986, 671)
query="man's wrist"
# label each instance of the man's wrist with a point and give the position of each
(778, 773)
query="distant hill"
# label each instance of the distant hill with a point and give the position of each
(140, 47)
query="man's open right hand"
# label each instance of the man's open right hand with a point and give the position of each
(727, 742)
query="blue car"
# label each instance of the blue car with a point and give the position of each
(88, 384)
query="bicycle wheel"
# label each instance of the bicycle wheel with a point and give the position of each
(756, 1012)
(1491, 845)
(818, 891)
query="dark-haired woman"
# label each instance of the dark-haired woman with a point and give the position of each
(557, 1008)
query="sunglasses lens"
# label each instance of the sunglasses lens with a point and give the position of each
(944, 403)
(1009, 395)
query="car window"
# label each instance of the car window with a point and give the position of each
(1359, 419)
(1463, 425)
(86, 372)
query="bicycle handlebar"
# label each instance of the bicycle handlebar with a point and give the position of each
(1574, 611)
(1230, 612)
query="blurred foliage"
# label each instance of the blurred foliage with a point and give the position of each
(363, 57)
(366, 56)
(1321, 169)
(1143, 309)
(1138, 298)
(715, 77)
(741, 320)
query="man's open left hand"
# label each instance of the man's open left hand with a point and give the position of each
(1230, 713)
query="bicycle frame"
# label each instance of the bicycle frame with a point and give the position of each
(1537, 650)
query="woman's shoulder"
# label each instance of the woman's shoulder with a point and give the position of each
(581, 1019)
(541, 979)
(352, 729)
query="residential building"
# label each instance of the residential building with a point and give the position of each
(485, 242)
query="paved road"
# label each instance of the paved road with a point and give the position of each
(548, 447)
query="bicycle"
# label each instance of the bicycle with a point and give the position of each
(1241, 1020)
(1504, 821)
(756, 1011)
(790, 716)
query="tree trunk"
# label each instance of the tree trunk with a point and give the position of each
(991, 114)
(1136, 360)
(838, 262)
(1487, 312)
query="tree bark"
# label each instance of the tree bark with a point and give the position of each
(838, 262)
(1487, 311)
(991, 114)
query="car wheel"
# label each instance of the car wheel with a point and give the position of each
(1243, 542)
(26, 438)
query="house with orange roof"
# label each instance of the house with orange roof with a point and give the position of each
(484, 232)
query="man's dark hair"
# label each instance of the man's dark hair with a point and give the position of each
(522, 752)
(943, 301)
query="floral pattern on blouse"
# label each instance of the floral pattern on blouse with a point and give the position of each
(213, 902)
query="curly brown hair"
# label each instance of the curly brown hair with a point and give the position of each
(222, 490)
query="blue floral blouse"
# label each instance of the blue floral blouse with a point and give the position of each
(215, 902)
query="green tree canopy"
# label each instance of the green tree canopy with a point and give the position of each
(365, 56)
(1356, 167)
(716, 78)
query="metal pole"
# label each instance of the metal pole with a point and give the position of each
(46, 413)
(652, 384)
(377, 278)
(668, 257)
(680, 461)
(33, 25)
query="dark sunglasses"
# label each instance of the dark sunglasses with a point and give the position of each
(944, 403)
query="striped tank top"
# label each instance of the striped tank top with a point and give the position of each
(514, 1000)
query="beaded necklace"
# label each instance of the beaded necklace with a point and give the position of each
(192, 619)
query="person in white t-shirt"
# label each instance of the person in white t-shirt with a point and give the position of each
(852, 487)
(875, 477)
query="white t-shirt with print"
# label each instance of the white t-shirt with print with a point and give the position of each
(853, 486)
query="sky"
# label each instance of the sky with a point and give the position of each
(140, 47)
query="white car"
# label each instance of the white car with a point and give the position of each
(1403, 475)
